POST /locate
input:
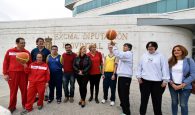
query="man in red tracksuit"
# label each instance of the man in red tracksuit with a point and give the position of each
(38, 77)
(13, 72)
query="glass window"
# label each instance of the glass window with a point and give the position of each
(191, 3)
(135, 10)
(182, 4)
(105, 2)
(152, 8)
(143, 9)
(171, 5)
(161, 6)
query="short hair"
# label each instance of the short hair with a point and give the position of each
(54, 46)
(91, 45)
(153, 44)
(37, 40)
(41, 55)
(128, 45)
(18, 39)
(68, 45)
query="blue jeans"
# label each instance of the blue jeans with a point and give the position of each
(68, 78)
(179, 97)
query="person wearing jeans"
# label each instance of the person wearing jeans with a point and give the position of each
(182, 71)
(124, 72)
(67, 61)
(81, 65)
(153, 76)
(68, 78)
(109, 76)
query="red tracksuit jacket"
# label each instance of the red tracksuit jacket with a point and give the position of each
(10, 63)
(38, 72)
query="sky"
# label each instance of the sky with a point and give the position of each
(11, 10)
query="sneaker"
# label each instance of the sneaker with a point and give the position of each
(90, 99)
(122, 114)
(71, 100)
(97, 101)
(59, 101)
(103, 101)
(24, 112)
(40, 107)
(50, 100)
(66, 99)
(112, 103)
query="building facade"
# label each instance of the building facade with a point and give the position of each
(176, 9)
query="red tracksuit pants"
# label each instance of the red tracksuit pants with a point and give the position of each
(17, 79)
(33, 89)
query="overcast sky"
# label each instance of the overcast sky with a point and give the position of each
(32, 9)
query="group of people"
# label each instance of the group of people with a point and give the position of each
(50, 69)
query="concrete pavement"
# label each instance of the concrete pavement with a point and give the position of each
(92, 108)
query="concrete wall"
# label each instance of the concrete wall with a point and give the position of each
(84, 31)
(187, 13)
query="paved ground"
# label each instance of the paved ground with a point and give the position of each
(92, 108)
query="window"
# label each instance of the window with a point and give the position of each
(161, 6)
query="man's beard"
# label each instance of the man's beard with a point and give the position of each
(69, 52)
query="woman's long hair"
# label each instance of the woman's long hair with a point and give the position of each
(80, 50)
(173, 59)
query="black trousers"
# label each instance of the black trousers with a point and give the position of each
(123, 92)
(55, 81)
(94, 81)
(109, 83)
(154, 88)
(82, 81)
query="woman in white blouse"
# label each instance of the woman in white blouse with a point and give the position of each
(182, 72)
(153, 76)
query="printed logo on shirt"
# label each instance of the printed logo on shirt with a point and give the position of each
(150, 59)
(39, 67)
(12, 53)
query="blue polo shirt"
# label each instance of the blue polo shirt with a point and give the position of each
(35, 51)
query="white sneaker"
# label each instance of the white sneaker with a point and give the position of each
(122, 114)
(103, 101)
(112, 103)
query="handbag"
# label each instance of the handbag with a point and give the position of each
(193, 82)
(193, 87)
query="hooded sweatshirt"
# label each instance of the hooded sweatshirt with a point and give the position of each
(125, 64)
(153, 67)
